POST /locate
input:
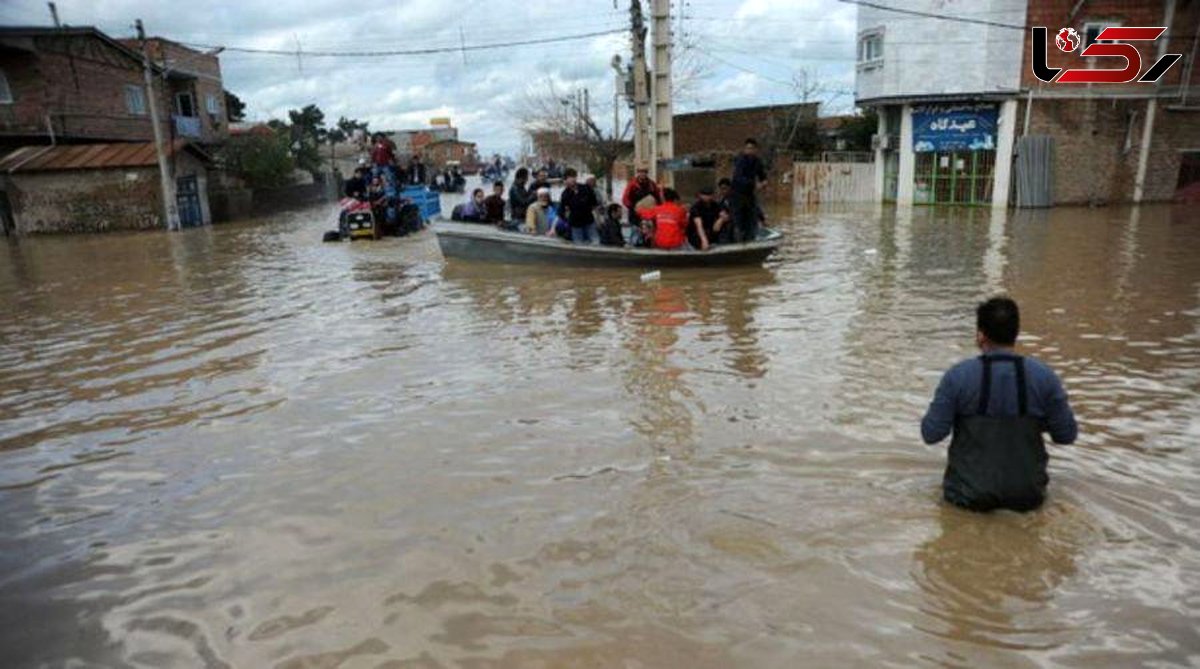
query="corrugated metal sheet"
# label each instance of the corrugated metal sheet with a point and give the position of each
(817, 183)
(86, 156)
(1035, 171)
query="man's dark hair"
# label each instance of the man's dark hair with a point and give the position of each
(477, 191)
(498, 183)
(670, 195)
(522, 173)
(725, 181)
(570, 173)
(999, 320)
(751, 141)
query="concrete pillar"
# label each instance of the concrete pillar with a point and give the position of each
(1139, 182)
(880, 155)
(908, 159)
(1006, 137)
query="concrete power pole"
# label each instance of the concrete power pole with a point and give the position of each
(641, 89)
(164, 169)
(662, 146)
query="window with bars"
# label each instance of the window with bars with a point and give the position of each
(6, 96)
(135, 100)
(954, 177)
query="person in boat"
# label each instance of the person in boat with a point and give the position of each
(493, 205)
(541, 180)
(704, 217)
(640, 191)
(609, 228)
(541, 218)
(749, 176)
(725, 197)
(997, 406)
(577, 204)
(670, 221)
(520, 196)
(473, 211)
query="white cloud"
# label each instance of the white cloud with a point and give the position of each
(765, 41)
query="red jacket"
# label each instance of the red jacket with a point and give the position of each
(670, 224)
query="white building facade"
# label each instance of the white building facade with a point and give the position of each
(946, 92)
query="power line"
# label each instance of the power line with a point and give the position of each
(412, 52)
(934, 15)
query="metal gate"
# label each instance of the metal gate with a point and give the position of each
(954, 177)
(817, 183)
(1034, 171)
(187, 201)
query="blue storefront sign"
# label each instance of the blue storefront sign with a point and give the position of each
(961, 127)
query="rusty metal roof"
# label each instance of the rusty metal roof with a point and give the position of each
(89, 156)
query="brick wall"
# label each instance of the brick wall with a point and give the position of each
(1056, 14)
(714, 131)
(206, 72)
(1097, 145)
(85, 200)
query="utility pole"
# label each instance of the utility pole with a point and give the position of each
(164, 169)
(662, 146)
(641, 100)
(54, 15)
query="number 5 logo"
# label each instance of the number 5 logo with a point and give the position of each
(1117, 49)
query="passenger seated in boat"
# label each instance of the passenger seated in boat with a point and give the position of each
(540, 181)
(473, 211)
(493, 205)
(541, 218)
(704, 218)
(609, 228)
(670, 222)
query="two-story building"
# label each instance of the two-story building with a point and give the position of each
(76, 85)
(953, 83)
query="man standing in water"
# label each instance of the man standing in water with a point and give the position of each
(997, 406)
(749, 176)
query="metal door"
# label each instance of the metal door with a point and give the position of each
(187, 201)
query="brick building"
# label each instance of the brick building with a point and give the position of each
(1105, 136)
(79, 85)
(956, 98)
(62, 87)
(439, 153)
(100, 187)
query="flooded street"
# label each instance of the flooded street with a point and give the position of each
(238, 447)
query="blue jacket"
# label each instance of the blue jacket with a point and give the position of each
(958, 395)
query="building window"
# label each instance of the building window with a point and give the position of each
(185, 104)
(5, 92)
(870, 48)
(135, 100)
(212, 105)
(1092, 29)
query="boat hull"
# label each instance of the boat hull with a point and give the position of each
(484, 242)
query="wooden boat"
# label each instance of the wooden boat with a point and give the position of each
(476, 241)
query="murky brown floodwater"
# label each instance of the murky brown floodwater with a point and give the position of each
(240, 447)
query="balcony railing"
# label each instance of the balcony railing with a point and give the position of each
(187, 126)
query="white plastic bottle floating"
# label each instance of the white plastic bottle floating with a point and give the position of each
(652, 276)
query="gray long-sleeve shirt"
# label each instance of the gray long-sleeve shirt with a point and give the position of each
(958, 395)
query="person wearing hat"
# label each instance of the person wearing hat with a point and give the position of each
(541, 217)
(704, 217)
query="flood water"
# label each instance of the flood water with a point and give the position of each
(239, 447)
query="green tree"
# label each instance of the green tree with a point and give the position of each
(307, 133)
(262, 160)
(235, 109)
(857, 131)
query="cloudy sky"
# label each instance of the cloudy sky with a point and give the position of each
(741, 52)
